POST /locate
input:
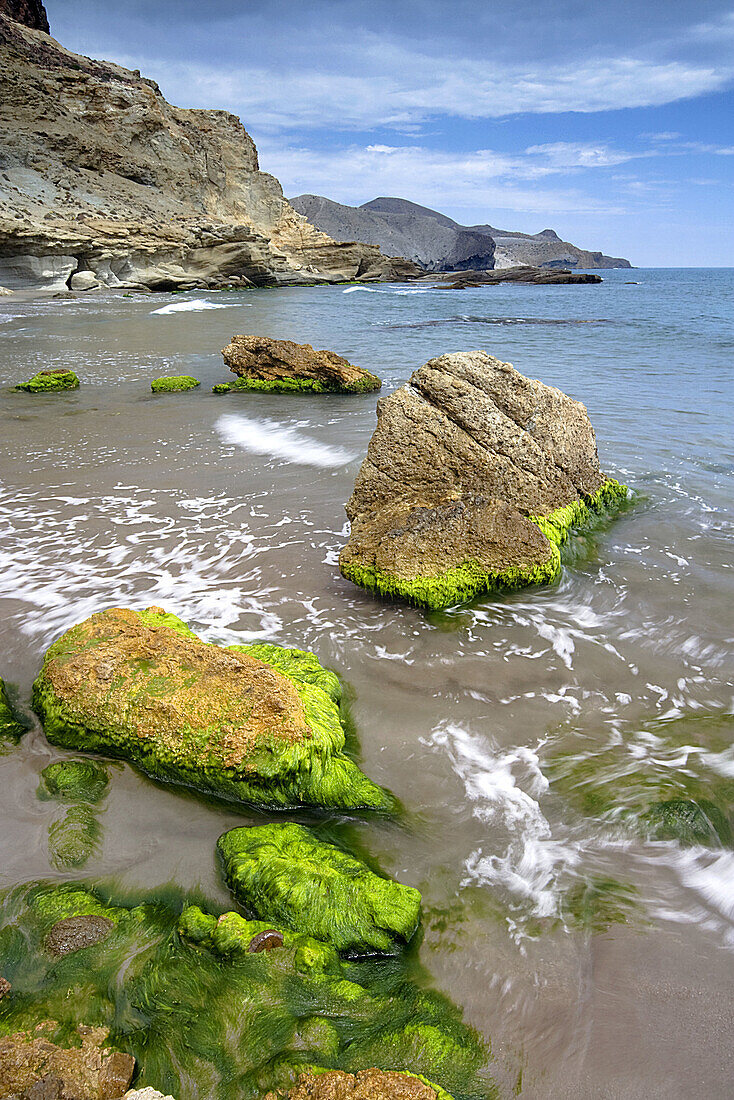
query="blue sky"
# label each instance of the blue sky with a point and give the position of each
(609, 121)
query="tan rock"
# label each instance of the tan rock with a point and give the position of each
(464, 462)
(265, 364)
(32, 1065)
(368, 1084)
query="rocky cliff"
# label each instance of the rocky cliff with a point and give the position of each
(29, 12)
(438, 243)
(103, 181)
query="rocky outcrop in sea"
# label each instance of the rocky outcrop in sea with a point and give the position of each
(104, 183)
(437, 243)
(281, 366)
(472, 480)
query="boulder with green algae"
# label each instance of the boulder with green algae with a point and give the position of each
(285, 874)
(49, 381)
(666, 779)
(367, 1084)
(255, 725)
(79, 785)
(203, 1014)
(174, 383)
(11, 730)
(280, 366)
(473, 480)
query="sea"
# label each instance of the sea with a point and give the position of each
(519, 732)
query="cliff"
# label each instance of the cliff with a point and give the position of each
(437, 243)
(102, 179)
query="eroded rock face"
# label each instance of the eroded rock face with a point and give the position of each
(29, 12)
(105, 182)
(255, 724)
(368, 1084)
(34, 1068)
(282, 366)
(472, 479)
(285, 874)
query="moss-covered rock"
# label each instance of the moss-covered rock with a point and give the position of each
(254, 725)
(11, 730)
(280, 366)
(667, 780)
(473, 480)
(49, 381)
(285, 874)
(221, 387)
(174, 383)
(179, 989)
(79, 785)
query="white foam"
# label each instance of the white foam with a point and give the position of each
(192, 305)
(366, 289)
(504, 788)
(268, 437)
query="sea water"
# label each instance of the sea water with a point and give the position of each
(491, 723)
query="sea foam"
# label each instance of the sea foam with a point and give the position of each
(268, 437)
(193, 305)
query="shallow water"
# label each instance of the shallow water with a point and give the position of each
(228, 511)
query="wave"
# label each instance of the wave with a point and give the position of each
(193, 305)
(268, 437)
(366, 289)
(464, 319)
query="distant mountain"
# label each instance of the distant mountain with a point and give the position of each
(438, 243)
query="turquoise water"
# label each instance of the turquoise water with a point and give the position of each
(229, 512)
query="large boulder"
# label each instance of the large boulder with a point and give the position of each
(472, 480)
(280, 366)
(285, 874)
(34, 1068)
(252, 724)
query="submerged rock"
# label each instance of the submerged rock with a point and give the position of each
(689, 822)
(10, 728)
(49, 381)
(204, 1016)
(174, 383)
(472, 481)
(79, 785)
(280, 366)
(32, 1067)
(285, 874)
(367, 1084)
(74, 933)
(251, 724)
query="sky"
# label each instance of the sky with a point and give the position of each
(610, 121)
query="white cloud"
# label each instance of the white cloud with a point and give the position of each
(387, 85)
(564, 155)
(479, 182)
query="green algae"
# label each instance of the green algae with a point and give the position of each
(367, 383)
(11, 730)
(79, 785)
(285, 874)
(471, 579)
(666, 779)
(596, 903)
(221, 387)
(277, 772)
(50, 381)
(174, 383)
(179, 989)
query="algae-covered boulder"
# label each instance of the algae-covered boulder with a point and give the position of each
(174, 383)
(180, 990)
(49, 381)
(472, 481)
(11, 730)
(280, 366)
(664, 779)
(256, 725)
(78, 786)
(285, 874)
(367, 1084)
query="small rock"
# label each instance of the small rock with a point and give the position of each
(115, 1076)
(48, 1088)
(266, 941)
(4, 292)
(145, 1094)
(280, 366)
(74, 933)
(84, 280)
(5, 987)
